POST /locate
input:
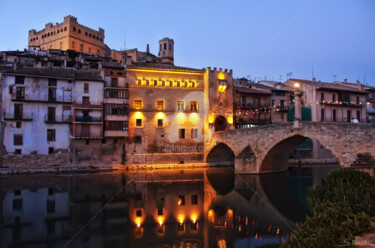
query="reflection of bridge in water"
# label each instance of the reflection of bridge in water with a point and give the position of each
(147, 209)
(267, 148)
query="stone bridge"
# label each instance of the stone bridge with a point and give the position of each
(267, 148)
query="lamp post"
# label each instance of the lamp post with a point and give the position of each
(297, 105)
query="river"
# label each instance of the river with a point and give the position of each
(172, 208)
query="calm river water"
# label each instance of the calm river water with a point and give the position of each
(179, 208)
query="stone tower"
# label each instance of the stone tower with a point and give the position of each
(166, 48)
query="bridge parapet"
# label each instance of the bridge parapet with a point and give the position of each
(270, 144)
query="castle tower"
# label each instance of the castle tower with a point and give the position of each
(166, 48)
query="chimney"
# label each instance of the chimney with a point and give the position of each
(345, 80)
(314, 79)
(148, 48)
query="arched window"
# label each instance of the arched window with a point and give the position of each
(58, 30)
(97, 37)
(139, 82)
(89, 35)
(37, 37)
(110, 72)
(65, 29)
(79, 31)
(86, 33)
(61, 30)
(148, 82)
(74, 29)
(48, 34)
(155, 82)
(93, 36)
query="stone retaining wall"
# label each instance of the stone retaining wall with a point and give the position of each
(35, 160)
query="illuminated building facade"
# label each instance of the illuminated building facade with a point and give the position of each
(69, 35)
(173, 109)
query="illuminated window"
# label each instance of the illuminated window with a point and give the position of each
(180, 105)
(139, 82)
(160, 122)
(138, 122)
(194, 133)
(222, 85)
(138, 104)
(181, 135)
(181, 199)
(194, 106)
(79, 31)
(160, 105)
(148, 82)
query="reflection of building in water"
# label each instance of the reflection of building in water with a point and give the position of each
(162, 209)
(33, 214)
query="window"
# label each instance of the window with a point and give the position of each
(160, 105)
(51, 114)
(165, 46)
(18, 124)
(116, 109)
(113, 82)
(138, 139)
(18, 111)
(333, 98)
(116, 125)
(51, 134)
(74, 29)
(243, 101)
(357, 100)
(20, 93)
(160, 122)
(194, 200)
(180, 105)
(85, 88)
(81, 47)
(181, 133)
(322, 97)
(194, 106)
(50, 206)
(138, 104)
(17, 204)
(160, 211)
(194, 133)
(52, 82)
(138, 123)
(17, 151)
(20, 80)
(334, 115)
(73, 44)
(359, 115)
(17, 139)
(138, 213)
(181, 200)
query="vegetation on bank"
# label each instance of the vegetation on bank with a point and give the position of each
(342, 208)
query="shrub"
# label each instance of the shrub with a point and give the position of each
(341, 208)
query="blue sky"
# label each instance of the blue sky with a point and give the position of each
(259, 39)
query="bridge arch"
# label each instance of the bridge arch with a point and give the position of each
(220, 153)
(276, 159)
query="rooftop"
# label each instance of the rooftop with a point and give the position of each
(160, 66)
(329, 86)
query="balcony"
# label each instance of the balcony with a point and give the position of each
(88, 119)
(66, 119)
(11, 116)
(116, 133)
(88, 105)
(41, 98)
(341, 103)
(116, 93)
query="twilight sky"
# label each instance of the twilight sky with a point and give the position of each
(257, 39)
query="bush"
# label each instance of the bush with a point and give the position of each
(341, 208)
